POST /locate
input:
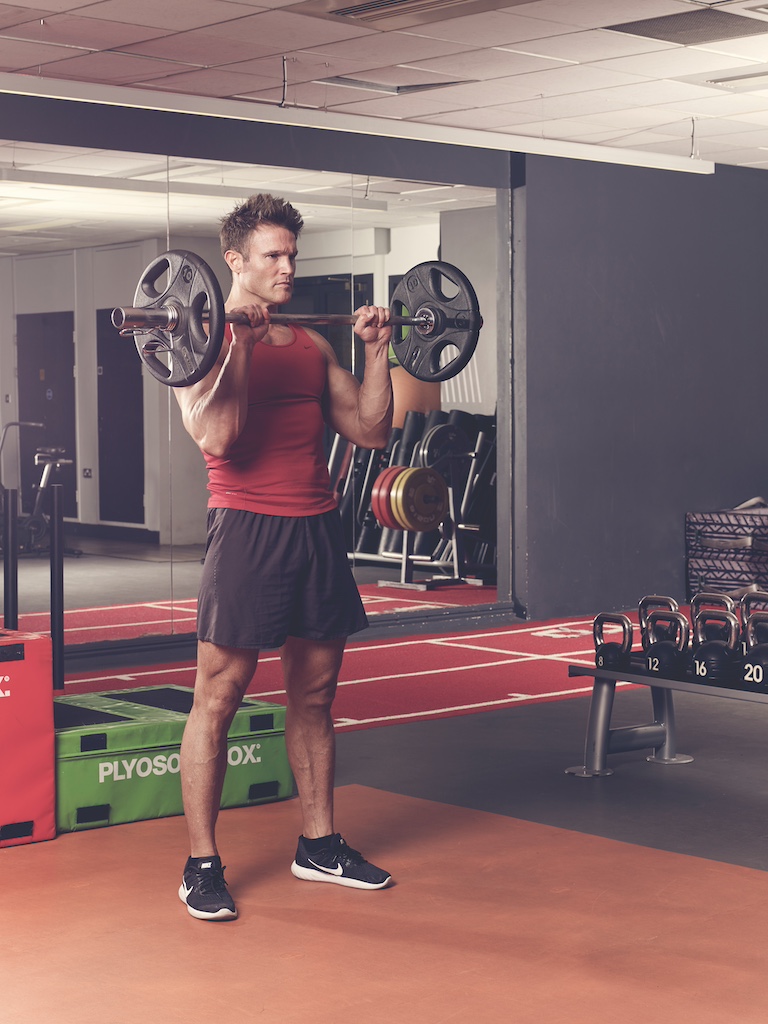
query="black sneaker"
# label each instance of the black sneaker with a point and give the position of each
(204, 890)
(338, 863)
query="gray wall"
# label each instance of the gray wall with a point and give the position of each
(645, 357)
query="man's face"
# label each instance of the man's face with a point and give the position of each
(269, 264)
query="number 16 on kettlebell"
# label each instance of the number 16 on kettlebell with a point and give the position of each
(716, 661)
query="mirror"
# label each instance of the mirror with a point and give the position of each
(78, 228)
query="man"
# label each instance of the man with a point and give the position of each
(276, 573)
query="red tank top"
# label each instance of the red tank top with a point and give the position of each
(277, 466)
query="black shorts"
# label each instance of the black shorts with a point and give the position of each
(269, 577)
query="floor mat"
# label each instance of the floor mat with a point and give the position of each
(491, 919)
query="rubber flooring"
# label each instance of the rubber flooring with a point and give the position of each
(490, 919)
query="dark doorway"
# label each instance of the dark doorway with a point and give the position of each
(121, 425)
(46, 366)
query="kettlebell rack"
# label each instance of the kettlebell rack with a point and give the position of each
(660, 734)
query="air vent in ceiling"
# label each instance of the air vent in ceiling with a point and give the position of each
(694, 27)
(398, 14)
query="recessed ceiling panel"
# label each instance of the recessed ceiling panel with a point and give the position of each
(694, 27)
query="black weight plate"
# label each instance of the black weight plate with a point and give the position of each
(442, 442)
(183, 355)
(456, 316)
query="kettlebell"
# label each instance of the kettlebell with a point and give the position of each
(667, 650)
(646, 605)
(715, 630)
(747, 605)
(611, 654)
(715, 662)
(754, 667)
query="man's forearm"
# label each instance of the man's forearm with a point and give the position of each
(374, 399)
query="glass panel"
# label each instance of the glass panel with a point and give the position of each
(361, 236)
(78, 227)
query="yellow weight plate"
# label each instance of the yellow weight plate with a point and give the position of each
(420, 500)
(395, 496)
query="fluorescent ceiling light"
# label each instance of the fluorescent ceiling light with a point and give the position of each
(396, 90)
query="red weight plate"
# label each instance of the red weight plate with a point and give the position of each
(380, 497)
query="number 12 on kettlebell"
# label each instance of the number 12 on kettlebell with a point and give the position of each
(666, 657)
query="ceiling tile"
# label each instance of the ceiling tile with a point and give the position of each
(593, 45)
(483, 64)
(172, 14)
(646, 94)
(284, 32)
(204, 82)
(17, 56)
(202, 47)
(706, 127)
(562, 128)
(597, 13)
(84, 32)
(116, 68)
(755, 48)
(303, 66)
(481, 118)
(759, 117)
(674, 63)
(51, 6)
(491, 28)
(721, 105)
(753, 137)
(387, 47)
(18, 15)
(638, 117)
(575, 78)
(564, 105)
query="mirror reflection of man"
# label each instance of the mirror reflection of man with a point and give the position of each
(276, 574)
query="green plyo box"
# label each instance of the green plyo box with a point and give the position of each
(117, 756)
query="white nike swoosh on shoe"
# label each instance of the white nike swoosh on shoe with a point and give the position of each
(185, 891)
(338, 870)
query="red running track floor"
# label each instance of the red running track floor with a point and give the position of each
(419, 678)
(166, 618)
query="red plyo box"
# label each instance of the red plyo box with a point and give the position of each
(27, 757)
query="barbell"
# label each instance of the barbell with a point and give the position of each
(433, 343)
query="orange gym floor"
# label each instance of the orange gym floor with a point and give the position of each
(491, 919)
(521, 893)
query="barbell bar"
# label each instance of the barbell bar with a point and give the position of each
(168, 317)
(184, 320)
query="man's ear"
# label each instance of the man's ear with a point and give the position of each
(234, 260)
